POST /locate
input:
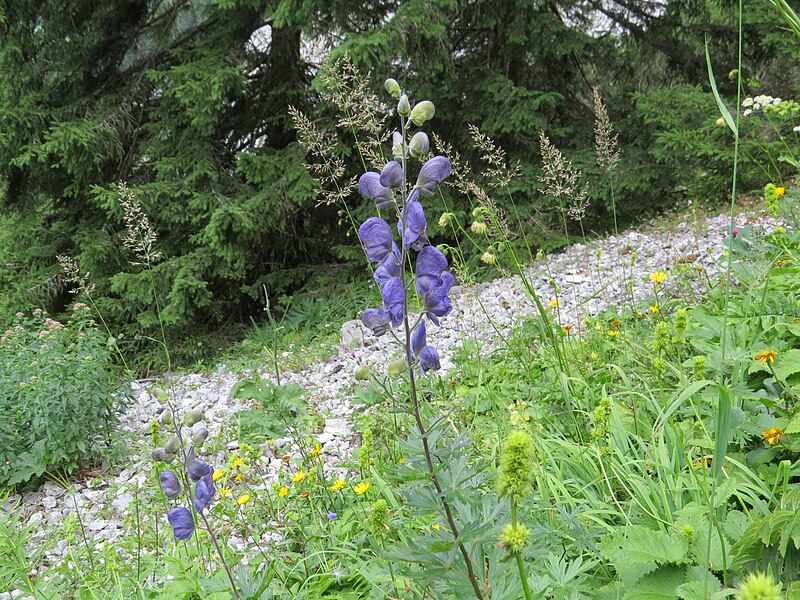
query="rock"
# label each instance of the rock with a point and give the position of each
(337, 427)
(122, 502)
(353, 334)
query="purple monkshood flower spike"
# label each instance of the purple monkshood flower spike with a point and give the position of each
(369, 184)
(432, 173)
(429, 359)
(377, 320)
(415, 225)
(418, 339)
(392, 175)
(437, 302)
(394, 299)
(198, 469)
(389, 267)
(376, 236)
(431, 263)
(182, 523)
(170, 484)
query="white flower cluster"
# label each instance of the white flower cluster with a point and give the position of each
(752, 105)
(796, 129)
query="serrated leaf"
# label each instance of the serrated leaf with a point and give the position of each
(635, 551)
(661, 584)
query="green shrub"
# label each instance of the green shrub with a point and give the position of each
(55, 394)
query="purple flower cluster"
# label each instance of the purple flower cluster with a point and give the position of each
(433, 280)
(181, 518)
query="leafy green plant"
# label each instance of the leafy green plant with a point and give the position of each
(279, 406)
(57, 394)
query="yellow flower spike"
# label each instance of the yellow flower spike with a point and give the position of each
(283, 491)
(299, 476)
(768, 356)
(780, 191)
(238, 462)
(316, 450)
(362, 487)
(772, 436)
(217, 475)
(658, 276)
(243, 499)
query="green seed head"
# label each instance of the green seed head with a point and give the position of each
(199, 438)
(759, 586)
(396, 369)
(516, 466)
(166, 418)
(514, 538)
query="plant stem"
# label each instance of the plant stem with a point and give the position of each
(518, 555)
(221, 556)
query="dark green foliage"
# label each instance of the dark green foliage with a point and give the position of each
(55, 395)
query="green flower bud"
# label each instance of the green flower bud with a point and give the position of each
(699, 368)
(397, 368)
(516, 466)
(362, 373)
(423, 111)
(192, 417)
(687, 532)
(681, 320)
(379, 517)
(419, 145)
(662, 336)
(173, 445)
(225, 530)
(391, 86)
(759, 586)
(199, 438)
(160, 394)
(160, 454)
(513, 538)
(166, 418)
(155, 432)
(403, 106)
(365, 454)
(659, 364)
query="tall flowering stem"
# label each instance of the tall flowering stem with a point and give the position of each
(432, 279)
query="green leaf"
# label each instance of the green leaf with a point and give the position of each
(635, 551)
(722, 108)
(661, 584)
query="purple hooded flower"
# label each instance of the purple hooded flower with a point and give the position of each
(418, 339)
(377, 320)
(394, 299)
(437, 302)
(198, 469)
(415, 225)
(431, 263)
(369, 185)
(429, 359)
(432, 173)
(202, 495)
(389, 267)
(170, 484)
(332, 515)
(376, 236)
(392, 175)
(182, 523)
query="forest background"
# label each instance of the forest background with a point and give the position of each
(186, 104)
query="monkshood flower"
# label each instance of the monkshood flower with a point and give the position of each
(182, 523)
(197, 469)
(369, 184)
(394, 298)
(389, 267)
(391, 175)
(428, 357)
(415, 224)
(170, 484)
(432, 173)
(378, 320)
(376, 237)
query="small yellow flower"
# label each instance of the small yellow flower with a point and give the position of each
(658, 276)
(771, 436)
(780, 191)
(768, 356)
(243, 499)
(478, 227)
(444, 220)
(362, 487)
(316, 450)
(402, 460)
(217, 475)
(780, 262)
(436, 526)
(238, 462)
(567, 329)
(613, 333)
(554, 303)
(283, 491)
(654, 308)
(337, 485)
(489, 258)
(616, 323)
(299, 476)
(225, 491)
(239, 476)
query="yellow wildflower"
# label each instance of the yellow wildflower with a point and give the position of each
(654, 308)
(316, 450)
(238, 462)
(489, 258)
(239, 476)
(613, 333)
(780, 191)
(616, 323)
(243, 499)
(436, 526)
(768, 356)
(217, 475)
(337, 485)
(780, 262)
(362, 487)
(554, 303)
(772, 436)
(567, 329)
(225, 491)
(283, 491)
(402, 460)
(299, 476)
(658, 276)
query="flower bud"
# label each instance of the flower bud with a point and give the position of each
(225, 530)
(720, 122)
(160, 454)
(397, 146)
(759, 586)
(169, 484)
(200, 437)
(516, 466)
(198, 469)
(478, 227)
(379, 517)
(419, 145)
(160, 394)
(397, 368)
(444, 220)
(489, 258)
(391, 86)
(514, 538)
(423, 111)
(192, 417)
(166, 418)
(403, 106)
(733, 74)
(362, 373)
(173, 445)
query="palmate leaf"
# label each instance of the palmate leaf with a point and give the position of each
(636, 551)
